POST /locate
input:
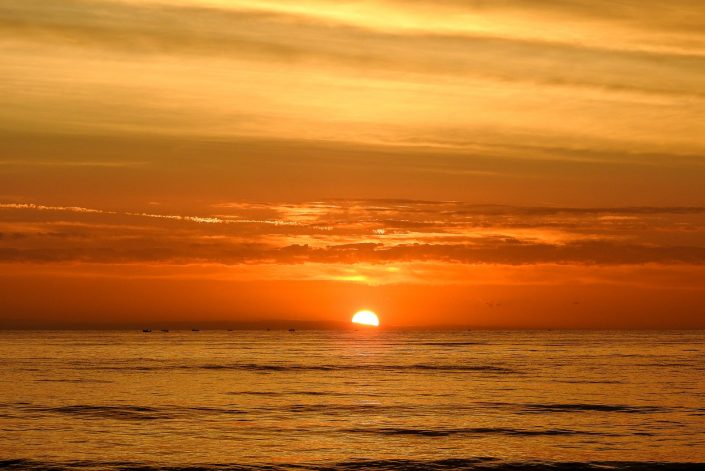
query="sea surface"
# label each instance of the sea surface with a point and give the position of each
(352, 400)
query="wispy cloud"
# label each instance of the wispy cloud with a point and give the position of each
(383, 232)
(608, 76)
(42, 207)
(283, 36)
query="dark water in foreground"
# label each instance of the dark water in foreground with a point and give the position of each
(352, 400)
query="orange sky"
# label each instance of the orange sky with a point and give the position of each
(471, 163)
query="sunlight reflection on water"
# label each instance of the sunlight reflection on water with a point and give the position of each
(317, 398)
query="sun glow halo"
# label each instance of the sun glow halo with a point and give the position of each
(366, 317)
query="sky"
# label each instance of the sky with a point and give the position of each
(468, 163)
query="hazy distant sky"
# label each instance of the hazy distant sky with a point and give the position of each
(476, 162)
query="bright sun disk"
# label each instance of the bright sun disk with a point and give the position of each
(366, 317)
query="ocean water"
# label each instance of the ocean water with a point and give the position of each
(352, 400)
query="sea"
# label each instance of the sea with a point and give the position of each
(352, 400)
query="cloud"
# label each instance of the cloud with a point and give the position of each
(508, 78)
(282, 36)
(176, 217)
(351, 232)
(675, 15)
(41, 207)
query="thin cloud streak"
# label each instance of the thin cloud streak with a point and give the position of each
(199, 219)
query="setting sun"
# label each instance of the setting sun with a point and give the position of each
(366, 318)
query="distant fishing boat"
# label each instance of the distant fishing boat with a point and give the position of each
(146, 330)
(195, 330)
(292, 330)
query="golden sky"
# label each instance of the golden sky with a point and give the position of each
(507, 163)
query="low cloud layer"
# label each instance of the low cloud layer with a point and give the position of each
(383, 232)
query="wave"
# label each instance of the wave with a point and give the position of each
(74, 381)
(574, 407)
(482, 463)
(445, 432)
(496, 465)
(592, 408)
(452, 344)
(166, 412)
(336, 409)
(140, 413)
(328, 368)
(586, 381)
(129, 412)
(292, 393)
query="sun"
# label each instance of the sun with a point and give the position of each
(366, 317)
